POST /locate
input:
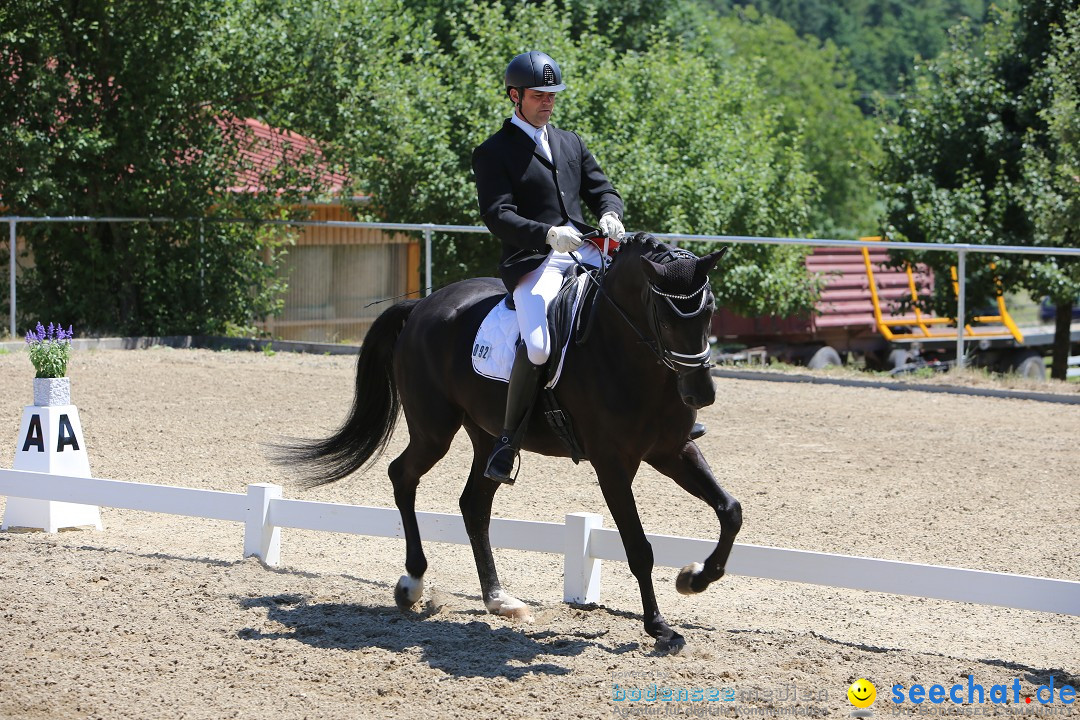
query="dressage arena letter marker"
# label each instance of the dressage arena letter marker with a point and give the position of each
(34, 437)
(51, 443)
(66, 435)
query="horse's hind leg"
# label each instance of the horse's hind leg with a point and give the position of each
(475, 504)
(689, 469)
(424, 450)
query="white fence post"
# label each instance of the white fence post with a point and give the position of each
(262, 539)
(12, 237)
(427, 259)
(581, 571)
(961, 308)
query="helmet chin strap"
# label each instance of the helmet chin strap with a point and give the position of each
(517, 105)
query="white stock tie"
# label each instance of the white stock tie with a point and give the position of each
(540, 137)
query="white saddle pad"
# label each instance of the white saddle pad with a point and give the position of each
(493, 349)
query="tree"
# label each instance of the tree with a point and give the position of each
(882, 38)
(811, 88)
(624, 24)
(981, 153)
(399, 97)
(951, 165)
(686, 144)
(114, 109)
(1052, 177)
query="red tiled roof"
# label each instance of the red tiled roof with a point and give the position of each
(263, 149)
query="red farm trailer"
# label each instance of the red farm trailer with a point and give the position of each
(858, 318)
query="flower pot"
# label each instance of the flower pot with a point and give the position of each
(52, 391)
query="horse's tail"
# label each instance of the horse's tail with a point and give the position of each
(370, 425)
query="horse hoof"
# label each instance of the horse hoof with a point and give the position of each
(509, 606)
(671, 645)
(683, 583)
(408, 591)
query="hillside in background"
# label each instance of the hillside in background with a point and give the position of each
(882, 37)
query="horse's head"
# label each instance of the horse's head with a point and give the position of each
(679, 305)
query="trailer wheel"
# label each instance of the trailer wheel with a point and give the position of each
(824, 357)
(1030, 365)
(897, 359)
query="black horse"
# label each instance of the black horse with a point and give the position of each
(631, 387)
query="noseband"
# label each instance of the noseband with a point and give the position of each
(679, 362)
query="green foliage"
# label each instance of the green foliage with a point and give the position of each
(687, 144)
(951, 171)
(733, 126)
(883, 38)
(810, 86)
(1052, 168)
(625, 24)
(110, 111)
(692, 153)
(986, 152)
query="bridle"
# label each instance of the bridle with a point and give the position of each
(681, 363)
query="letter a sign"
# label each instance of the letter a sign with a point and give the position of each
(51, 441)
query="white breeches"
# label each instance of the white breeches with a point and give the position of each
(535, 292)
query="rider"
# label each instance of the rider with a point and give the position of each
(531, 180)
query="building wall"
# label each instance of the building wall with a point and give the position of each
(341, 278)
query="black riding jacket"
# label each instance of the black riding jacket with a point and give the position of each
(522, 195)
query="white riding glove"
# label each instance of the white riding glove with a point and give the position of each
(611, 226)
(564, 239)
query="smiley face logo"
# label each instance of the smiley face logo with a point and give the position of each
(862, 693)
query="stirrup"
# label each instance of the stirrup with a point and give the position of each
(497, 469)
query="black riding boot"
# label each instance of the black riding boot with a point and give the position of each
(697, 431)
(524, 378)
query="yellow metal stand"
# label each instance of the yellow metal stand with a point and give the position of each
(919, 327)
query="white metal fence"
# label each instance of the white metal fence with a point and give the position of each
(581, 540)
(961, 250)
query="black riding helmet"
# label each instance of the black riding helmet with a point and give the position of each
(533, 70)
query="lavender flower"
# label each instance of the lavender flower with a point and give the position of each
(50, 349)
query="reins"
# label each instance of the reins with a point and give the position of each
(601, 292)
(664, 356)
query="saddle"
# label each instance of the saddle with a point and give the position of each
(568, 320)
(498, 334)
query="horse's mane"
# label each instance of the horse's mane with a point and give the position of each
(643, 242)
(681, 265)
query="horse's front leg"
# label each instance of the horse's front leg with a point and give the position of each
(615, 483)
(689, 469)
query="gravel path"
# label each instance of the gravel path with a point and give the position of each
(158, 617)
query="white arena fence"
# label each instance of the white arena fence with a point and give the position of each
(581, 540)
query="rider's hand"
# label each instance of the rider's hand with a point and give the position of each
(611, 226)
(564, 239)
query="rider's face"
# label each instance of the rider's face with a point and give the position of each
(536, 107)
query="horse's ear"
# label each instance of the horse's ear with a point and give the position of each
(707, 263)
(654, 271)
